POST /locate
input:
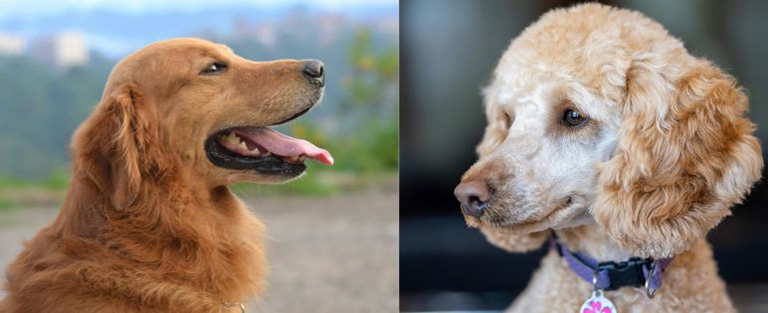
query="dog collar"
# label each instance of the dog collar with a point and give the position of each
(635, 272)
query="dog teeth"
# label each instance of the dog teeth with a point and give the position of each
(254, 152)
(237, 144)
(233, 138)
(295, 158)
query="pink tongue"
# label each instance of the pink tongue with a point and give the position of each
(283, 145)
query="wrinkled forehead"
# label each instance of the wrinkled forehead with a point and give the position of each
(176, 55)
(530, 81)
(168, 63)
(191, 50)
(592, 59)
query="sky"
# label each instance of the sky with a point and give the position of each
(37, 8)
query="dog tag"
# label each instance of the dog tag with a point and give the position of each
(598, 303)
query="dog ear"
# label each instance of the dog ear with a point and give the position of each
(685, 155)
(118, 145)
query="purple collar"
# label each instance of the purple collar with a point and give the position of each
(611, 275)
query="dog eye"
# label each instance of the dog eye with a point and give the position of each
(214, 68)
(574, 118)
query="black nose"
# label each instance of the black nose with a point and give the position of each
(473, 196)
(313, 69)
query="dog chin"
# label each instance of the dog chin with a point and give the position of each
(256, 178)
(510, 228)
(559, 219)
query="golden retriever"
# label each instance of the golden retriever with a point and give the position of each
(603, 130)
(149, 224)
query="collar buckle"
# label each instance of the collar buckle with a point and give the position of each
(626, 273)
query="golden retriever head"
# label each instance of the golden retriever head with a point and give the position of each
(598, 115)
(196, 103)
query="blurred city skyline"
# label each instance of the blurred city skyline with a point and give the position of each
(113, 31)
(40, 8)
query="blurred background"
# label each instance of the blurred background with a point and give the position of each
(332, 234)
(449, 49)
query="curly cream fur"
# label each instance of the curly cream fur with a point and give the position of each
(666, 153)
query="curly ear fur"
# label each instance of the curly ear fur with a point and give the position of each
(685, 155)
(119, 145)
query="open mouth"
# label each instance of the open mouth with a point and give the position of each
(264, 150)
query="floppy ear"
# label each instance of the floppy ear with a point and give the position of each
(685, 155)
(117, 147)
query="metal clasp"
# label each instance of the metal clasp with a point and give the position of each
(594, 281)
(596, 291)
(650, 292)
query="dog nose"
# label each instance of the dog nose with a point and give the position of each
(473, 196)
(313, 69)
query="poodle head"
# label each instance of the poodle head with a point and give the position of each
(598, 115)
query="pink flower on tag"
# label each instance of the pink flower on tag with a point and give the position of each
(597, 307)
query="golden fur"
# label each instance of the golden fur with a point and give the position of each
(148, 224)
(666, 153)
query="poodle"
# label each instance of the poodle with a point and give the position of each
(608, 140)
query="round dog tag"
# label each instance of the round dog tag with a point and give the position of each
(598, 303)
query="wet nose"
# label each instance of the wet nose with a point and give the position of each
(313, 69)
(473, 196)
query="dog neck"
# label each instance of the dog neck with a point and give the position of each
(163, 207)
(203, 236)
(590, 239)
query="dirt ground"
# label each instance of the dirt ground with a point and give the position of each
(327, 254)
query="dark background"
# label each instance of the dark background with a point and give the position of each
(448, 51)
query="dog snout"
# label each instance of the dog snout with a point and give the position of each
(474, 196)
(314, 71)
